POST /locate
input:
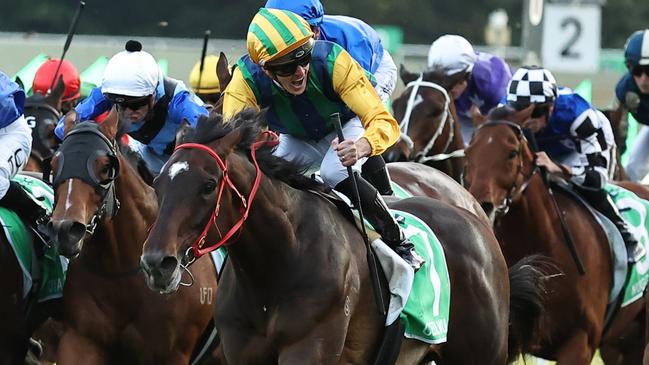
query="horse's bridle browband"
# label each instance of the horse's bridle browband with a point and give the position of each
(92, 145)
(421, 156)
(503, 208)
(196, 249)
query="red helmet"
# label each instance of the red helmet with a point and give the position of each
(71, 80)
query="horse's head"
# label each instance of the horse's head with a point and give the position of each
(85, 168)
(192, 188)
(423, 110)
(500, 163)
(42, 114)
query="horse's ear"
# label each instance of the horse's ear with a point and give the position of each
(20, 82)
(406, 76)
(69, 121)
(223, 72)
(521, 116)
(55, 96)
(110, 125)
(224, 146)
(182, 132)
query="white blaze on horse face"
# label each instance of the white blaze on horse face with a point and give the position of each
(491, 139)
(177, 168)
(68, 202)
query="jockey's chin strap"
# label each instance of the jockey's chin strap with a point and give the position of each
(197, 248)
(421, 156)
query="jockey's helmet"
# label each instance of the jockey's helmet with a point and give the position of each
(311, 10)
(278, 37)
(132, 73)
(209, 81)
(531, 85)
(636, 49)
(452, 54)
(45, 75)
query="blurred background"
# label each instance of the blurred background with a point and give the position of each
(581, 41)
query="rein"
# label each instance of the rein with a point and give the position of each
(196, 249)
(421, 156)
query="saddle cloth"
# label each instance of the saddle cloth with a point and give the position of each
(51, 269)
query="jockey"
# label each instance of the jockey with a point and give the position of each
(16, 140)
(573, 133)
(301, 82)
(45, 75)
(153, 106)
(360, 40)
(632, 95)
(363, 43)
(481, 78)
(209, 89)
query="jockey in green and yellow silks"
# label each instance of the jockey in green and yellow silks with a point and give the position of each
(301, 82)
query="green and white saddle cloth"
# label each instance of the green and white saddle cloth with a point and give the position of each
(634, 211)
(53, 267)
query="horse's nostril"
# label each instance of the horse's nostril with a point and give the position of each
(487, 207)
(168, 264)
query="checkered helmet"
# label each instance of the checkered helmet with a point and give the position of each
(531, 85)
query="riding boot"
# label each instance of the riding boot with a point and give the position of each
(376, 212)
(374, 171)
(603, 203)
(35, 216)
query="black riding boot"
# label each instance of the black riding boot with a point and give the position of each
(603, 203)
(374, 171)
(36, 218)
(376, 212)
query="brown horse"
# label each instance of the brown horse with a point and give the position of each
(296, 287)
(502, 175)
(102, 212)
(430, 129)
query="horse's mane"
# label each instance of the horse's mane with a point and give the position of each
(252, 123)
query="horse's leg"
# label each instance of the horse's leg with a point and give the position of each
(75, 349)
(576, 351)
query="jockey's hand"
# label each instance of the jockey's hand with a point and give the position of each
(543, 160)
(476, 116)
(349, 152)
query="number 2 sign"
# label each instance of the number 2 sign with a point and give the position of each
(571, 37)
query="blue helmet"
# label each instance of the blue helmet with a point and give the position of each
(636, 49)
(311, 10)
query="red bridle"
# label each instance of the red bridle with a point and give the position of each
(197, 246)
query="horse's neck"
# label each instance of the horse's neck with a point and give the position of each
(118, 240)
(268, 240)
(534, 213)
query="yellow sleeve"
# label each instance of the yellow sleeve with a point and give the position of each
(237, 96)
(356, 91)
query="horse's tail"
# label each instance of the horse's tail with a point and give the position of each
(527, 298)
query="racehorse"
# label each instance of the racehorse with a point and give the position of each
(502, 175)
(42, 114)
(296, 287)
(102, 211)
(430, 129)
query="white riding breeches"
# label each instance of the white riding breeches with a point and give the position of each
(319, 154)
(16, 142)
(637, 166)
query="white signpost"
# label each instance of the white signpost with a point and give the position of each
(571, 37)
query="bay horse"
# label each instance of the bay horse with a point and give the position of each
(102, 211)
(502, 175)
(296, 286)
(430, 129)
(42, 114)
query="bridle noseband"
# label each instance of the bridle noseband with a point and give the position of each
(514, 189)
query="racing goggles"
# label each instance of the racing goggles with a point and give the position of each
(638, 70)
(128, 102)
(288, 69)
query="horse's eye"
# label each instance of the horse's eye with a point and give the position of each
(209, 187)
(512, 154)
